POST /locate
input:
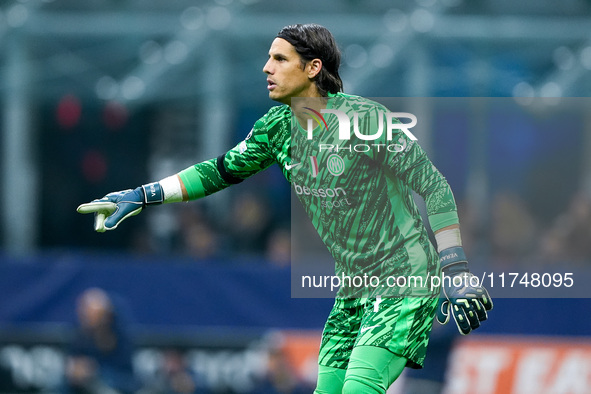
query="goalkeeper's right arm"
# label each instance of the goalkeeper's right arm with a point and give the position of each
(192, 183)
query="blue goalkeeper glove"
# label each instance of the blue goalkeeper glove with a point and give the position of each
(115, 207)
(464, 295)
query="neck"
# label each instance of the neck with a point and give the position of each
(309, 92)
(301, 107)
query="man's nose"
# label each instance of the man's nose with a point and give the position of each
(267, 68)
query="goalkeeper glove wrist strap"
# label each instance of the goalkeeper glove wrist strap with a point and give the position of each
(153, 193)
(453, 260)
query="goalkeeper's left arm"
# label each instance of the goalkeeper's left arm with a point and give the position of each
(464, 299)
(468, 304)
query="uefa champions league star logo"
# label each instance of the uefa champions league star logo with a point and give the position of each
(335, 164)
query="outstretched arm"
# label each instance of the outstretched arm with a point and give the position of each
(197, 181)
(194, 182)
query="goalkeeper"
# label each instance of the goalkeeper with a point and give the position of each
(367, 340)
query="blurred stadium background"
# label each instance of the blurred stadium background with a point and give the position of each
(103, 95)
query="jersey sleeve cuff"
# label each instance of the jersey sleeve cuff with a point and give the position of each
(444, 219)
(192, 181)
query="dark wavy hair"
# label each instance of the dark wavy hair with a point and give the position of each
(312, 41)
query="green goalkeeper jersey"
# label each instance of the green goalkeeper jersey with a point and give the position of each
(356, 191)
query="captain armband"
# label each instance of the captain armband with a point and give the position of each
(226, 176)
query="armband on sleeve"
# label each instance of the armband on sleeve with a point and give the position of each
(226, 176)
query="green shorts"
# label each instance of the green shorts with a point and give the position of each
(401, 325)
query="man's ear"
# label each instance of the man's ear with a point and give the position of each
(314, 66)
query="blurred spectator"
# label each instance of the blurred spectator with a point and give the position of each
(281, 376)
(279, 248)
(472, 229)
(173, 376)
(569, 237)
(100, 357)
(251, 224)
(200, 241)
(513, 233)
(6, 382)
(198, 238)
